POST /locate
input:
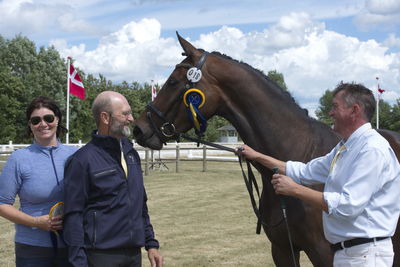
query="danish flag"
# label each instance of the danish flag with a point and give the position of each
(75, 83)
(380, 90)
(153, 92)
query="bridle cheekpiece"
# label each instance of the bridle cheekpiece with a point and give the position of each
(193, 99)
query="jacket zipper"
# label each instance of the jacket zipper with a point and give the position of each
(54, 165)
(104, 173)
(130, 202)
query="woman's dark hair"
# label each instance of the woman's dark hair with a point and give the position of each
(45, 102)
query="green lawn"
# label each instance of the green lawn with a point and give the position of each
(200, 219)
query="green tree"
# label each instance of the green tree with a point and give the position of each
(11, 109)
(385, 116)
(325, 105)
(17, 58)
(278, 78)
(394, 117)
(212, 134)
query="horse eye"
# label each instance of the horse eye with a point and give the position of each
(172, 81)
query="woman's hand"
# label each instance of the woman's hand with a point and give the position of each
(46, 223)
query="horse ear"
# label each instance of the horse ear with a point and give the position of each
(189, 49)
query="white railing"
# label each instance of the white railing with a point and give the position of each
(171, 153)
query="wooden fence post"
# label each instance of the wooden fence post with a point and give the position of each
(10, 145)
(152, 163)
(204, 158)
(177, 158)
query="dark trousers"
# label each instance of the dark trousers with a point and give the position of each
(34, 256)
(131, 257)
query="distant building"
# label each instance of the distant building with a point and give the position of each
(228, 134)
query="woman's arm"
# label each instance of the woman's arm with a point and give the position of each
(43, 222)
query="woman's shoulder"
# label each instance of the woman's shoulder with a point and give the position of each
(21, 155)
(21, 152)
(69, 148)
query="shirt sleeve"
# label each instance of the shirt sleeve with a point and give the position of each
(362, 181)
(10, 181)
(75, 197)
(314, 172)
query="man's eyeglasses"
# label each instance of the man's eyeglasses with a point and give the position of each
(124, 114)
(49, 118)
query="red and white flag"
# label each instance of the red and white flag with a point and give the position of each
(75, 83)
(380, 90)
(153, 92)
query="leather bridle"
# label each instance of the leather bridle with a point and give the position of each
(167, 129)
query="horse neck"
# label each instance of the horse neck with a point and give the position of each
(268, 119)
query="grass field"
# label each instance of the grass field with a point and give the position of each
(200, 219)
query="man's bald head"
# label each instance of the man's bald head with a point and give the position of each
(106, 102)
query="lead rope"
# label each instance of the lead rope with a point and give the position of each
(249, 182)
(283, 207)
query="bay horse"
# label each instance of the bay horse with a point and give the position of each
(268, 120)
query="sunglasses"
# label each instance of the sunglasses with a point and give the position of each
(47, 118)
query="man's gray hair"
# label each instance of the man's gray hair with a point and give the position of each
(101, 104)
(354, 93)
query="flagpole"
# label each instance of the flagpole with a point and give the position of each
(68, 89)
(152, 94)
(152, 99)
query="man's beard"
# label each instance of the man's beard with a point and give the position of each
(120, 129)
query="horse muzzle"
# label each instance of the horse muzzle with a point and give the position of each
(147, 138)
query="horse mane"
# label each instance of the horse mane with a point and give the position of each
(286, 93)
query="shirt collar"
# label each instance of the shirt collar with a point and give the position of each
(35, 144)
(356, 135)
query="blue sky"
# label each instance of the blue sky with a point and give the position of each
(314, 43)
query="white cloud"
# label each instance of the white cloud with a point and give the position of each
(379, 14)
(392, 41)
(311, 58)
(227, 40)
(134, 53)
(383, 7)
(25, 16)
(290, 31)
(69, 23)
(144, 31)
(36, 17)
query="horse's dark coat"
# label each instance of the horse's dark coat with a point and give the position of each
(268, 119)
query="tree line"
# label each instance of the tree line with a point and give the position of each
(389, 115)
(27, 72)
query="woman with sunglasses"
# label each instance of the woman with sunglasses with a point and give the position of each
(35, 174)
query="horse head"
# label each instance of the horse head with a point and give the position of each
(187, 100)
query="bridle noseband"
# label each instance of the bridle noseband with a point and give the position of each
(193, 99)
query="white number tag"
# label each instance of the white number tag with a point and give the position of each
(193, 75)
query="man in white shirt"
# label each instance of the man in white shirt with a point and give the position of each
(362, 182)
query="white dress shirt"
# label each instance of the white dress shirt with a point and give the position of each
(362, 189)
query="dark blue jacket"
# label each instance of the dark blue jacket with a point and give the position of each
(104, 209)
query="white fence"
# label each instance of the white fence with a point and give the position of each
(171, 153)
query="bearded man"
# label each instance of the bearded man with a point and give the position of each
(106, 219)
